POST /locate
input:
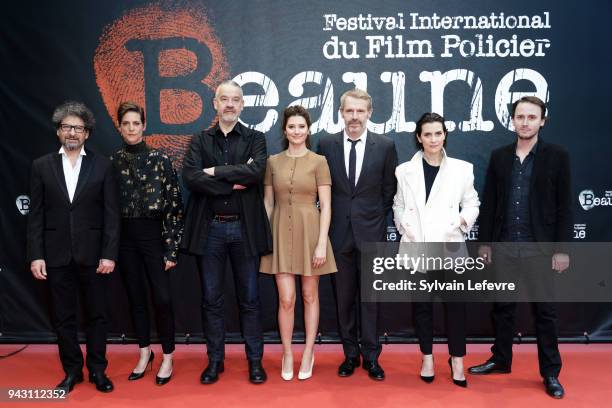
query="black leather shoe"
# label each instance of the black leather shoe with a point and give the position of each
(489, 367)
(210, 375)
(137, 376)
(103, 383)
(554, 387)
(374, 369)
(69, 382)
(347, 368)
(257, 374)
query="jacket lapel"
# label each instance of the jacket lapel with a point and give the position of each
(58, 170)
(537, 164)
(339, 160)
(241, 149)
(416, 181)
(86, 166)
(367, 153)
(508, 162)
(439, 180)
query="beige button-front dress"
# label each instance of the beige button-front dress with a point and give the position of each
(295, 220)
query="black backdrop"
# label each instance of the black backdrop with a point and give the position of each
(168, 56)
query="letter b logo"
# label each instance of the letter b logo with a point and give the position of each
(168, 60)
(586, 198)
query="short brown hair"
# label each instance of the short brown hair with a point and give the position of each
(357, 94)
(530, 99)
(126, 107)
(290, 111)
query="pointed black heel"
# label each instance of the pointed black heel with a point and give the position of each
(137, 376)
(163, 380)
(460, 383)
(427, 378)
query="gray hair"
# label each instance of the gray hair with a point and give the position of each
(228, 82)
(73, 108)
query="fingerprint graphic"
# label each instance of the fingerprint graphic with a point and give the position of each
(180, 106)
(120, 73)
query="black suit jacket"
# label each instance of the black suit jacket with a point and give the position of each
(203, 153)
(549, 194)
(362, 211)
(85, 230)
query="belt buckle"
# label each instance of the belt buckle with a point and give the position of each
(226, 218)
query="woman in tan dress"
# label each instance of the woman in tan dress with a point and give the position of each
(294, 179)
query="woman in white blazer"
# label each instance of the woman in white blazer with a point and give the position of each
(436, 202)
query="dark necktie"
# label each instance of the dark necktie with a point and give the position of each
(353, 163)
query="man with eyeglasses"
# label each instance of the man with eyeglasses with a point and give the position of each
(73, 232)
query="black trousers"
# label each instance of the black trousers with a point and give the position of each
(66, 284)
(422, 314)
(355, 319)
(546, 325)
(141, 264)
(534, 272)
(454, 317)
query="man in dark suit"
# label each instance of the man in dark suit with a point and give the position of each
(362, 166)
(527, 198)
(224, 169)
(73, 235)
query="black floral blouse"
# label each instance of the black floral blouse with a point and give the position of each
(149, 189)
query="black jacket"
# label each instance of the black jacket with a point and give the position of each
(251, 155)
(86, 229)
(362, 211)
(549, 194)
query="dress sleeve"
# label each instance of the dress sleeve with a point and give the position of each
(322, 172)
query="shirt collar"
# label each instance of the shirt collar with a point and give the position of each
(533, 151)
(216, 131)
(363, 136)
(81, 153)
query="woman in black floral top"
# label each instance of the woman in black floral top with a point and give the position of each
(151, 229)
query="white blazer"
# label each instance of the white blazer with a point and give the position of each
(452, 196)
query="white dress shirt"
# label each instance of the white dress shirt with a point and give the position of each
(359, 152)
(71, 174)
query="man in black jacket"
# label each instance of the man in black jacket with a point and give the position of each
(362, 165)
(527, 198)
(224, 169)
(73, 235)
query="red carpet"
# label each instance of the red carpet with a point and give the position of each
(586, 376)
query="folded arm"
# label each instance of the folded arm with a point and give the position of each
(249, 173)
(193, 173)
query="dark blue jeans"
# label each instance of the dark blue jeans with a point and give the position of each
(226, 239)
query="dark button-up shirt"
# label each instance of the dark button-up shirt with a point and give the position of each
(517, 221)
(226, 145)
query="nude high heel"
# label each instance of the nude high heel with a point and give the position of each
(286, 375)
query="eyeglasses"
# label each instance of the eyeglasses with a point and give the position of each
(67, 128)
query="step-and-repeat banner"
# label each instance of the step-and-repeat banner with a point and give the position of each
(466, 60)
